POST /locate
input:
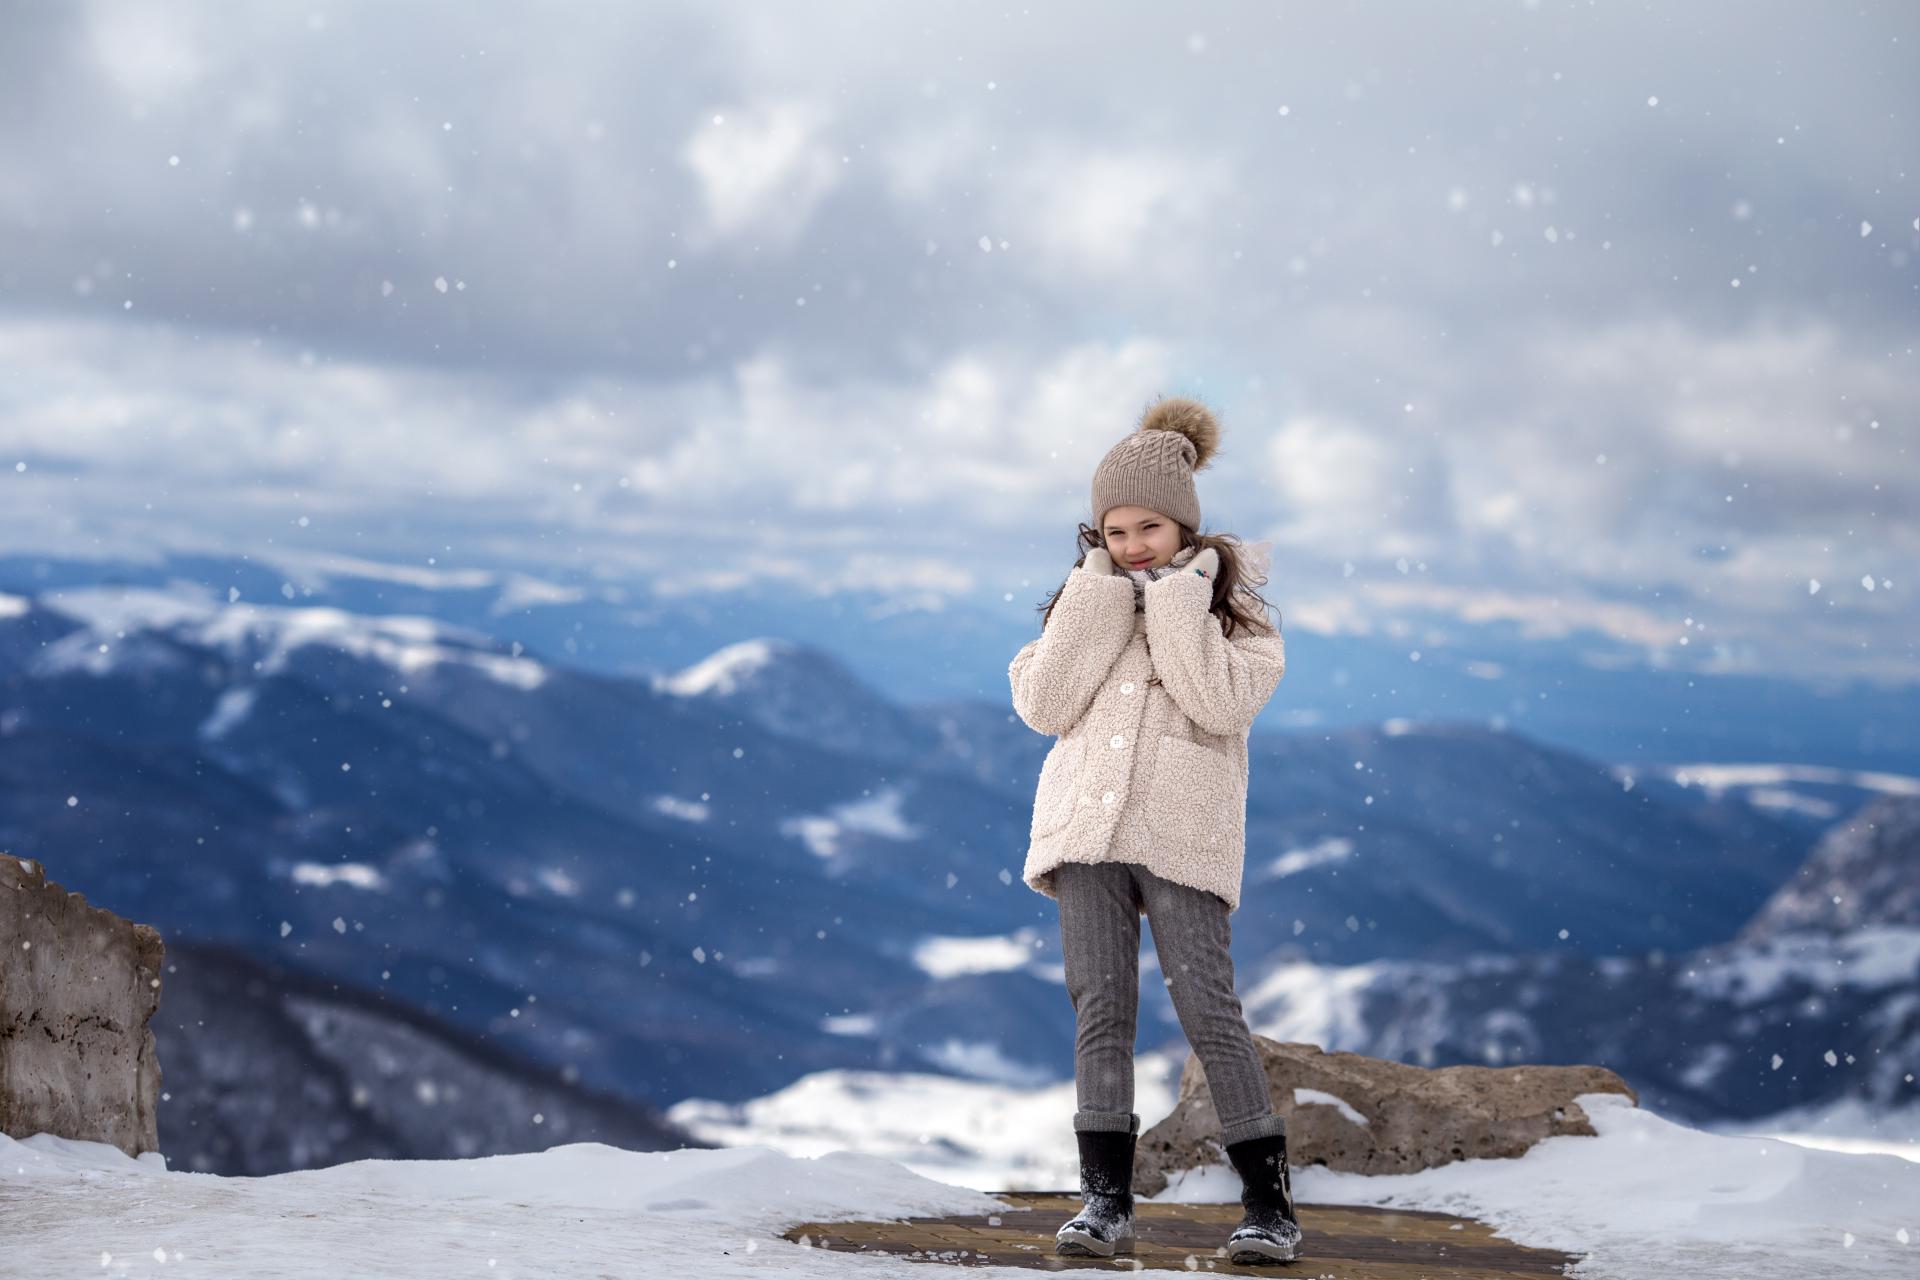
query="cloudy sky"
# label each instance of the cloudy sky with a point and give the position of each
(1595, 320)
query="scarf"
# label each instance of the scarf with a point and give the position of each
(1141, 577)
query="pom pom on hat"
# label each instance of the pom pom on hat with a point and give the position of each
(1189, 418)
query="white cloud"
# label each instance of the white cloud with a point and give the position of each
(133, 437)
(762, 169)
(922, 158)
(172, 411)
(1119, 216)
(1350, 491)
(150, 50)
(1539, 616)
(987, 437)
(393, 149)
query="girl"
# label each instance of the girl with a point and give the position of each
(1151, 677)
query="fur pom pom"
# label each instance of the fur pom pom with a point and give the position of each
(1191, 419)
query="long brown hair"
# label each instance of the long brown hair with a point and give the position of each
(1235, 602)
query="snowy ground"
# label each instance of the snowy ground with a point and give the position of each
(1847, 1125)
(1648, 1199)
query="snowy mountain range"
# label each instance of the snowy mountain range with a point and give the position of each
(1815, 999)
(1571, 687)
(714, 881)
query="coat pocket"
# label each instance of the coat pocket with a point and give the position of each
(1053, 798)
(1194, 800)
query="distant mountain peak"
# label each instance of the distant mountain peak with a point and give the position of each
(124, 627)
(1866, 871)
(800, 691)
(729, 670)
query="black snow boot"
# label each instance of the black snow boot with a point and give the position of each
(1269, 1231)
(1104, 1225)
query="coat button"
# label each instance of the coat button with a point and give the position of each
(1127, 687)
(1117, 742)
(1107, 798)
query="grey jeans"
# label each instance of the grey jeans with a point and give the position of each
(1100, 905)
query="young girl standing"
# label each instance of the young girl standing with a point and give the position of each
(1150, 675)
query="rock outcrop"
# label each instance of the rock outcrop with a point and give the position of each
(78, 985)
(1371, 1115)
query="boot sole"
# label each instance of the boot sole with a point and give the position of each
(1084, 1244)
(1256, 1251)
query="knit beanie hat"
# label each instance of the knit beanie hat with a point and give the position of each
(1153, 466)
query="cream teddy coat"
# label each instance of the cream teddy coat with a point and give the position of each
(1152, 709)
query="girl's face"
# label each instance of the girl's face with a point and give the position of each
(1140, 537)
